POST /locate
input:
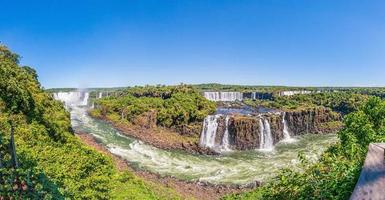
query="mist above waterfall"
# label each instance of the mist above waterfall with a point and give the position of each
(79, 98)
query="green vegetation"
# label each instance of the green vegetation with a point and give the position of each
(52, 162)
(335, 174)
(343, 102)
(372, 91)
(252, 88)
(173, 105)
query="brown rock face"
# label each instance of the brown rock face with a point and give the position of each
(220, 130)
(317, 120)
(276, 127)
(245, 133)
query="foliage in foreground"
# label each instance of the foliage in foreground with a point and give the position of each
(335, 174)
(53, 163)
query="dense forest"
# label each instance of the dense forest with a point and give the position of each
(40, 157)
(172, 106)
(342, 102)
(336, 173)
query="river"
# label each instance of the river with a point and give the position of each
(230, 168)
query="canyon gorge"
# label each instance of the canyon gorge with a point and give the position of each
(252, 145)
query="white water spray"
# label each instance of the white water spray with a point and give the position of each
(209, 131)
(239, 168)
(265, 139)
(286, 134)
(223, 96)
(225, 140)
(75, 98)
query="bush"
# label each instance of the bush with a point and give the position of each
(53, 163)
(175, 105)
(336, 173)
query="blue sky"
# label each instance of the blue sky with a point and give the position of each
(257, 42)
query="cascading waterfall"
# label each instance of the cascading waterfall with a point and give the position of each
(209, 134)
(85, 98)
(73, 98)
(266, 139)
(209, 131)
(100, 95)
(223, 96)
(261, 133)
(225, 146)
(239, 168)
(253, 95)
(286, 134)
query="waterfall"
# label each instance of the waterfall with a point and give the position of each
(72, 98)
(286, 134)
(209, 131)
(261, 134)
(291, 93)
(85, 99)
(253, 95)
(268, 144)
(100, 95)
(225, 140)
(223, 96)
(266, 139)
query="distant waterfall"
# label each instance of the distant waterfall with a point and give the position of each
(209, 131)
(266, 139)
(225, 146)
(72, 98)
(291, 93)
(100, 95)
(223, 96)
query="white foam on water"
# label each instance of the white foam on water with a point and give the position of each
(235, 167)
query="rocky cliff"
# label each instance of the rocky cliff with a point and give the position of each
(244, 131)
(316, 120)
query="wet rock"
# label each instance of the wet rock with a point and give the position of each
(245, 133)
(315, 120)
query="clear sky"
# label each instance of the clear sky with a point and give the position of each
(257, 42)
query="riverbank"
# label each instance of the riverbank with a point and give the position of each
(187, 190)
(159, 137)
